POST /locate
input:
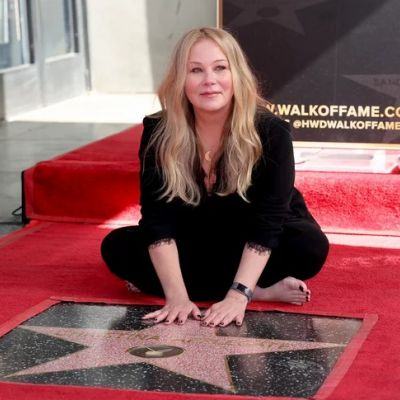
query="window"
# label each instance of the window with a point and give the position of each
(14, 35)
(58, 28)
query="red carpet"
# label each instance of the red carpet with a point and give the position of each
(61, 259)
(98, 183)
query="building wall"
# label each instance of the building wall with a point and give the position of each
(130, 40)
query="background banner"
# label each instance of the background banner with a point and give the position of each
(330, 67)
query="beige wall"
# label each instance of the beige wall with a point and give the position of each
(130, 40)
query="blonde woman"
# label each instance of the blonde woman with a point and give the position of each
(221, 218)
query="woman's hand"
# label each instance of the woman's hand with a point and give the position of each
(232, 308)
(176, 308)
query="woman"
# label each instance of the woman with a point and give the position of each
(221, 219)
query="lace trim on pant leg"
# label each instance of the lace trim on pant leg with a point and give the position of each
(160, 242)
(131, 287)
(258, 248)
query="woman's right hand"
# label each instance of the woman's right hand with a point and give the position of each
(175, 309)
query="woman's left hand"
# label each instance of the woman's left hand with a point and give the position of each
(232, 308)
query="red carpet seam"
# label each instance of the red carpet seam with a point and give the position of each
(32, 227)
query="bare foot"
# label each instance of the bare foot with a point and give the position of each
(288, 290)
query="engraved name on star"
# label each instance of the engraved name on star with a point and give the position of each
(388, 84)
(203, 358)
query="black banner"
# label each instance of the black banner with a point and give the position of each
(330, 67)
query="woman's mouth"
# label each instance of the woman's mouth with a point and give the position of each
(209, 94)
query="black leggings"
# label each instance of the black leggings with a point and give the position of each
(301, 253)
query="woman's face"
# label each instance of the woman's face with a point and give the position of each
(208, 84)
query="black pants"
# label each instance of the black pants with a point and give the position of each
(301, 253)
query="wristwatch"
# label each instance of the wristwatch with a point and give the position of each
(244, 290)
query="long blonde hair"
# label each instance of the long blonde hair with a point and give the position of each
(175, 138)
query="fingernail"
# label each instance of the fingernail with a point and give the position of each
(301, 288)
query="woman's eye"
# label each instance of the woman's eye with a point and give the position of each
(221, 67)
(195, 69)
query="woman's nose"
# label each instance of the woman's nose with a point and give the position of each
(209, 78)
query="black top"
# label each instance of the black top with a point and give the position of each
(273, 197)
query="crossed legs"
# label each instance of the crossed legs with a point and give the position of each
(301, 254)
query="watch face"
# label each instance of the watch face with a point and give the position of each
(243, 289)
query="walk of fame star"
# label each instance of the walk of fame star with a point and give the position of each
(203, 357)
(387, 84)
(111, 346)
(285, 14)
